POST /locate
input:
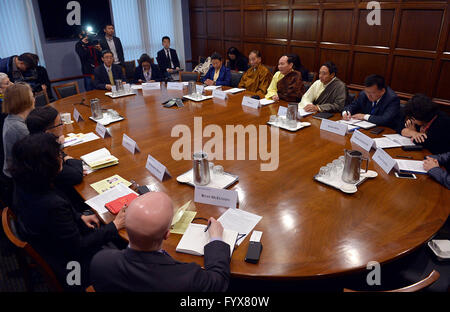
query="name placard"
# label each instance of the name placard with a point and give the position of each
(216, 197)
(77, 116)
(156, 168)
(383, 160)
(248, 101)
(219, 94)
(282, 111)
(102, 131)
(335, 127)
(151, 86)
(130, 144)
(362, 140)
(200, 89)
(175, 86)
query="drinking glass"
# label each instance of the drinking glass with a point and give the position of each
(218, 170)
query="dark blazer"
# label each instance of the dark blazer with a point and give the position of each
(164, 62)
(101, 78)
(51, 225)
(224, 76)
(117, 44)
(439, 174)
(89, 56)
(131, 270)
(156, 74)
(386, 112)
(239, 64)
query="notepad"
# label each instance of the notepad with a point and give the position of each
(195, 239)
(106, 184)
(73, 139)
(414, 166)
(98, 202)
(101, 158)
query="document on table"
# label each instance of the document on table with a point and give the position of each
(304, 113)
(360, 123)
(212, 88)
(415, 166)
(234, 90)
(403, 141)
(385, 143)
(80, 138)
(240, 221)
(107, 184)
(265, 102)
(98, 202)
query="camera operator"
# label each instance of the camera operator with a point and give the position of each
(90, 53)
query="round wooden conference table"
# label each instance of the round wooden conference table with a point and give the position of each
(309, 230)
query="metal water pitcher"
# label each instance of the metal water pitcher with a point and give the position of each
(201, 169)
(352, 166)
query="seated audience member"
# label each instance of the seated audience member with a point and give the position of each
(144, 266)
(47, 119)
(15, 66)
(167, 58)
(258, 77)
(46, 219)
(218, 74)
(236, 61)
(147, 71)
(18, 103)
(287, 84)
(377, 104)
(38, 78)
(427, 125)
(4, 83)
(328, 94)
(432, 166)
(90, 54)
(107, 74)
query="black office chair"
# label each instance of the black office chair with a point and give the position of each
(66, 90)
(236, 78)
(189, 76)
(41, 99)
(130, 68)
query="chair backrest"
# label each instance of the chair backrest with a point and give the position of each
(271, 68)
(235, 78)
(10, 229)
(67, 89)
(129, 69)
(312, 76)
(189, 76)
(426, 282)
(41, 99)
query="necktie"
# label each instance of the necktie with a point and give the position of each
(169, 58)
(111, 78)
(373, 107)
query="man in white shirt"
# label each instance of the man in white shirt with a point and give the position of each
(328, 94)
(113, 44)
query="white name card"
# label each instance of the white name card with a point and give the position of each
(156, 168)
(335, 127)
(248, 101)
(282, 111)
(200, 89)
(216, 197)
(102, 131)
(130, 144)
(77, 116)
(383, 160)
(151, 86)
(219, 94)
(362, 140)
(175, 86)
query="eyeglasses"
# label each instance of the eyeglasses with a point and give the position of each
(50, 128)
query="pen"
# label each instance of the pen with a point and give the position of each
(209, 224)
(407, 157)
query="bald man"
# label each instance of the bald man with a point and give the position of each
(145, 267)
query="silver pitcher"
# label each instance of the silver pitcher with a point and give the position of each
(352, 166)
(201, 169)
(96, 109)
(292, 111)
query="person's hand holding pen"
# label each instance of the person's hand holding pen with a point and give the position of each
(215, 229)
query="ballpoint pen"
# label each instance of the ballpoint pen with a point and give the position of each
(407, 157)
(209, 224)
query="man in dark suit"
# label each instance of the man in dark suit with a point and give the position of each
(145, 267)
(377, 104)
(105, 75)
(113, 44)
(167, 58)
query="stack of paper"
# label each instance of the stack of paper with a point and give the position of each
(182, 218)
(240, 221)
(414, 166)
(399, 139)
(385, 143)
(98, 202)
(101, 158)
(304, 113)
(107, 184)
(212, 88)
(80, 138)
(195, 238)
(265, 102)
(359, 123)
(234, 90)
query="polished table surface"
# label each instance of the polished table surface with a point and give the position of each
(309, 230)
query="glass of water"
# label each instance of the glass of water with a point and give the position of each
(114, 90)
(273, 118)
(218, 170)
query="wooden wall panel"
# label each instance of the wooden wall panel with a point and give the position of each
(411, 47)
(411, 74)
(365, 64)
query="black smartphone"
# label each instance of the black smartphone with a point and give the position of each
(405, 175)
(410, 148)
(376, 130)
